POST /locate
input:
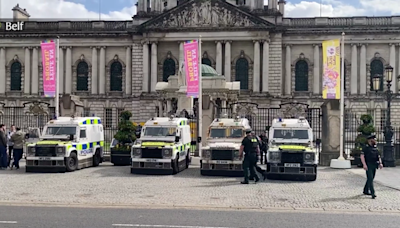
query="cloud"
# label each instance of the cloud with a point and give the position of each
(328, 8)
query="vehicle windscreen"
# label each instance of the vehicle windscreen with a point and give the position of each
(290, 134)
(218, 133)
(236, 133)
(61, 131)
(226, 133)
(160, 131)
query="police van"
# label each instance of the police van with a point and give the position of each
(163, 148)
(67, 144)
(220, 156)
(292, 152)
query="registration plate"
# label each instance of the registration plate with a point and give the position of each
(292, 165)
(41, 158)
(151, 160)
(222, 162)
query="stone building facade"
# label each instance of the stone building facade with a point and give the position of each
(115, 65)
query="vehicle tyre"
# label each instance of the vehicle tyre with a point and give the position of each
(203, 173)
(71, 162)
(175, 165)
(96, 158)
(187, 160)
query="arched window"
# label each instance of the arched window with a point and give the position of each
(82, 74)
(242, 73)
(168, 69)
(16, 75)
(376, 69)
(301, 76)
(116, 76)
(206, 61)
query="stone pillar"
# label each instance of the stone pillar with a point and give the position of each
(256, 70)
(288, 70)
(265, 73)
(392, 62)
(154, 66)
(35, 71)
(317, 71)
(102, 71)
(228, 59)
(169, 106)
(145, 80)
(330, 132)
(219, 57)
(95, 74)
(68, 71)
(3, 81)
(128, 69)
(354, 70)
(363, 69)
(62, 76)
(160, 108)
(27, 74)
(398, 69)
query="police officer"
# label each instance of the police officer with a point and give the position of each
(264, 146)
(251, 152)
(371, 161)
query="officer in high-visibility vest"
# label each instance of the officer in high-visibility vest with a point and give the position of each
(251, 151)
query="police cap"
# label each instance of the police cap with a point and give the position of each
(371, 137)
(248, 131)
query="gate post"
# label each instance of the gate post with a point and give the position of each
(330, 132)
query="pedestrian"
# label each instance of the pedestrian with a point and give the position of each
(371, 161)
(259, 158)
(18, 138)
(264, 147)
(3, 147)
(251, 152)
(10, 145)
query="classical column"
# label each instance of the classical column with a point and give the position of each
(169, 105)
(181, 55)
(317, 72)
(95, 76)
(228, 59)
(153, 81)
(68, 71)
(27, 74)
(219, 57)
(398, 70)
(128, 73)
(62, 76)
(363, 69)
(102, 71)
(35, 71)
(145, 80)
(3, 77)
(288, 70)
(354, 70)
(265, 73)
(256, 70)
(392, 62)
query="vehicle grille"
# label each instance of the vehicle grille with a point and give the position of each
(151, 153)
(292, 157)
(222, 155)
(47, 151)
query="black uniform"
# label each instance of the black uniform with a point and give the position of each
(263, 148)
(371, 155)
(250, 144)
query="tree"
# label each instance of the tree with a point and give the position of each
(365, 130)
(126, 131)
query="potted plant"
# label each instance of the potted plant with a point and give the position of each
(123, 140)
(365, 130)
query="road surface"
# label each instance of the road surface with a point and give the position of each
(68, 217)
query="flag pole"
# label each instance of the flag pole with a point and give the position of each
(342, 100)
(57, 95)
(200, 101)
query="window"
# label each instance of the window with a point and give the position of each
(82, 74)
(168, 69)
(160, 131)
(218, 133)
(82, 134)
(86, 112)
(290, 134)
(301, 76)
(116, 77)
(16, 75)
(242, 73)
(119, 111)
(61, 131)
(206, 61)
(109, 117)
(376, 69)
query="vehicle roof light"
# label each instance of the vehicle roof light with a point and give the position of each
(280, 120)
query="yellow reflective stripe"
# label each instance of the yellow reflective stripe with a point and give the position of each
(96, 121)
(45, 142)
(156, 144)
(292, 147)
(101, 143)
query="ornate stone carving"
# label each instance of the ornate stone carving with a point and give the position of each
(302, 56)
(204, 14)
(115, 57)
(377, 55)
(242, 55)
(293, 110)
(82, 58)
(36, 108)
(245, 109)
(15, 57)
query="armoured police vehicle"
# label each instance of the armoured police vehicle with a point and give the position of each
(163, 148)
(220, 155)
(67, 144)
(291, 152)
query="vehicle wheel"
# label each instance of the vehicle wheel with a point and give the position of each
(96, 158)
(187, 161)
(71, 163)
(175, 166)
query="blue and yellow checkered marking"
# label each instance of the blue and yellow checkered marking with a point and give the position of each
(85, 146)
(90, 121)
(183, 123)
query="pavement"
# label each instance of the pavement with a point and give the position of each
(69, 217)
(389, 177)
(112, 185)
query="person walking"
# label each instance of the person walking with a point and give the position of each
(3, 147)
(371, 161)
(10, 145)
(264, 147)
(251, 152)
(18, 138)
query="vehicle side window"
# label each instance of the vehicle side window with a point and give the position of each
(82, 134)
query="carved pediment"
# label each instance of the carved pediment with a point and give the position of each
(205, 14)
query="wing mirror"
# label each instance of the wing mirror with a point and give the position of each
(71, 137)
(177, 138)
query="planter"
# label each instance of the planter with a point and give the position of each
(120, 156)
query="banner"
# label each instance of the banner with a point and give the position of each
(191, 55)
(331, 65)
(49, 64)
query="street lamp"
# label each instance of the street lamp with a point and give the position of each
(388, 95)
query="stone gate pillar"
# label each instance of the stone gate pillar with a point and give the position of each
(330, 132)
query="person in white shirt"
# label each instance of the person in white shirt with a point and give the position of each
(10, 145)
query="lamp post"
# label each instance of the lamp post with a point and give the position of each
(388, 95)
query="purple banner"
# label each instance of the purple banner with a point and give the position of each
(191, 54)
(48, 48)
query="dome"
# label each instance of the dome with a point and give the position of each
(207, 71)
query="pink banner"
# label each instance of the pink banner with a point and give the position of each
(191, 49)
(49, 67)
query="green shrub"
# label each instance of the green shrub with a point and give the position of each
(126, 131)
(365, 129)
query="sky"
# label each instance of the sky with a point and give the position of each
(125, 9)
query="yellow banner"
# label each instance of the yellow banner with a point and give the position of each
(331, 73)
